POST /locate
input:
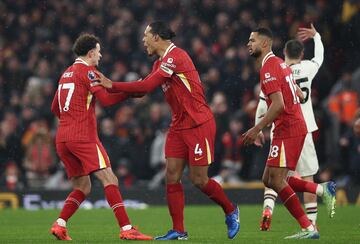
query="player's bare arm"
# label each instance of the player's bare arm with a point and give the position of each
(146, 85)
(306, 33)
(299, 93)
(276, 108)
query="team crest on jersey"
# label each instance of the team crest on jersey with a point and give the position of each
(91, 75)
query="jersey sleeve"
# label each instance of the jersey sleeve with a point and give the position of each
(270, 80)
(261, 108)
(170, 64)
(89, 77)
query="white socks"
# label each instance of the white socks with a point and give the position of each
(319, 190)
(311, 211)
(61, 222)
(126, 227)
(269, 199)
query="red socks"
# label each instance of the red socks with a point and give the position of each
(115, 201)
(292, 203)
(72, 203)
(217, 194)
(176, 202)
(299, 185)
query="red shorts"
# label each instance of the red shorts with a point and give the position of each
(82, 158)
(285, 152)
(195, 145)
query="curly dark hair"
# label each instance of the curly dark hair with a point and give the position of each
(84, 43)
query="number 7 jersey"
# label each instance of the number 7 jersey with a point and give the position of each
(76, 104)
(276, 76)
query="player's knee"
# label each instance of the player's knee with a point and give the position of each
(172, 177)
(199, 182)
(85, 188)
(266, 182)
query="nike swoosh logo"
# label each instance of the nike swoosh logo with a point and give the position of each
(197, 159)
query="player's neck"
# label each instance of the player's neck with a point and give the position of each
(263, 56)
(163, 47)
(292, 61)
(86, 60)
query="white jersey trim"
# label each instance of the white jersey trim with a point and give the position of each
(80, 61)
(169, 49)
(267, 56)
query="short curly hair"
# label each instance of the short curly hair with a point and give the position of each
(84, 43)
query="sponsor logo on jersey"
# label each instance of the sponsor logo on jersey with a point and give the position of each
(283, 65)
(267, 75)
(170, 60)
(168, 65)
(91, 75)
(166, 69)
(67, 74)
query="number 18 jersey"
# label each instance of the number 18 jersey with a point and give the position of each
(77, 121)
(276, 76)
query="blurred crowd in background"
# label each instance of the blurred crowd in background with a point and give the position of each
(35, 48)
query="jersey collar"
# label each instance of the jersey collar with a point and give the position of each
(80, 61)
(169, 49)
(267, 56)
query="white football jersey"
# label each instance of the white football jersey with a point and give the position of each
(304, 73)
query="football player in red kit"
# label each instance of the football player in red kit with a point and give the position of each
(279, 88)
(77, 141)
(192, 131)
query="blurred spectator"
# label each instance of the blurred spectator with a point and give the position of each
(39, 158)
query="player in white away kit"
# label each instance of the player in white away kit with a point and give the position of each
(304, 72)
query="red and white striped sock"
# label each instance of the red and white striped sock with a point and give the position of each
(115, 201)
(71, 204)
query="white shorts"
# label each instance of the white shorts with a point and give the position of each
(308, 163)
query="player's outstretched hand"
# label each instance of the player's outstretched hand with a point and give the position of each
(250, 136)
(260, 140)
(306, 33)
(103, 80)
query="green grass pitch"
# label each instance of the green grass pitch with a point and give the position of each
(205, 224)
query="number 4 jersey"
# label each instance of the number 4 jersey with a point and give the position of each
(276, 76)
(76, 104)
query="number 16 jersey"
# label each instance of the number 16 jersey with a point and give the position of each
(76, 104)
(276, 76)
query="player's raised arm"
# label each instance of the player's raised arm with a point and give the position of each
(146, 85)
(306, 33)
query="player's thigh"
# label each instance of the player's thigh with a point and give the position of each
(73, 166)
(308, 163)
(92, 155)
(200, 142)
(277, 178)
(285, 152)
(175, 146)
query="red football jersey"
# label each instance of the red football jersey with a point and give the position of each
(276, 76)
(183, 91)
(77, 120)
